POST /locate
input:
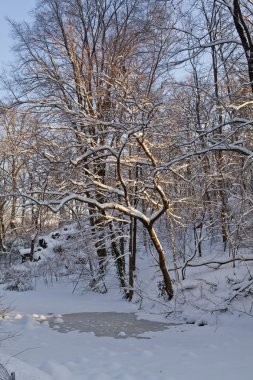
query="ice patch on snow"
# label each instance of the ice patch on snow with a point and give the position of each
(108, 324)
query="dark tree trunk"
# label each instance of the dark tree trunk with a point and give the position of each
(245, 37)
(132, 256)
(119, 260)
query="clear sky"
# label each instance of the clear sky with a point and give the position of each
(17, 10)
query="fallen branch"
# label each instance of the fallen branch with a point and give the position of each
(207, 263)
(219, 263)
(240, 290)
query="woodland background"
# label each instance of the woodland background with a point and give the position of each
(131, 121)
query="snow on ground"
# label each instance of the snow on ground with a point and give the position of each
(217, 346)
(220, 351)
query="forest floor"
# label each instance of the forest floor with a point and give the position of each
(43, 344)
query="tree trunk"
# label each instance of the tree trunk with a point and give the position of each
(245, 37)
(2, 232)
(173, 246)
(14, 199)
(162, 262)
(132, 257)
(119, 260)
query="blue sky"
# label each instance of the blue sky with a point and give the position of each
(17, 10)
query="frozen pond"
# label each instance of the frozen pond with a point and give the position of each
(106, 324)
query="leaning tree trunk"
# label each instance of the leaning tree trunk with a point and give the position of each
(162, 262)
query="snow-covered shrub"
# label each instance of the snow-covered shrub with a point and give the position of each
(58, 249)
(13, 246)
(161, 289)
(18, 278)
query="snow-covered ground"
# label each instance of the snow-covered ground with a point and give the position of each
(218, 351)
